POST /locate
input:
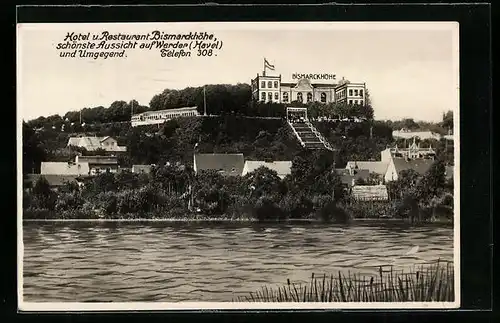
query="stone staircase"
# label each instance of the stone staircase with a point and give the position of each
(308, 136)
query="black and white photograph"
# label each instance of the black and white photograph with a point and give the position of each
(238, 165)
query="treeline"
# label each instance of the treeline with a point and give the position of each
(219, 99)
(223, 99)
(313, 190)
(443, 127)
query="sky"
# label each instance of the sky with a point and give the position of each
(410, 69)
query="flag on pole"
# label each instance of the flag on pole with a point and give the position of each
(268, 65)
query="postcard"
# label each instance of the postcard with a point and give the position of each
(238, 165)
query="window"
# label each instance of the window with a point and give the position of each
(285, 96)
(270, 96)
(350, 101)
(276, 84)
(360, 102)
(299, 97)
(355, 101)
(350, 92)
(269, 84)
(276, 96)
(309, 97)
(263, 96)
(361, 92)
(263, 84)
(356, 92)
(323, 97)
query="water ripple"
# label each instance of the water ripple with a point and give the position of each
(124, 262)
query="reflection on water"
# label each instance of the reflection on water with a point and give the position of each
(124, 262)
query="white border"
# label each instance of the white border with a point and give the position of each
(161, 306)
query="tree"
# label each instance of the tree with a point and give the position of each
(264, 182)
(433, 181)
(33, 152)
(46, 198)
(447, 122)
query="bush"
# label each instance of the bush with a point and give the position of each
(267, 210)
(37, 213)
(330, 212)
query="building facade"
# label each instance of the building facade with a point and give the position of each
(99, 164)
(161, 116)
(270, 88)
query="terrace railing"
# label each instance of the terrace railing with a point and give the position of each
(319, 136)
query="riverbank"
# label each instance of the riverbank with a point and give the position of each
(225, 220)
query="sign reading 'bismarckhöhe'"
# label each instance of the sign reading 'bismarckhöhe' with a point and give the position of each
(324, 76)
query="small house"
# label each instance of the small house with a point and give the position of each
(225, 164)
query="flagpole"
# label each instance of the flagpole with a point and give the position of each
(204, 101)
(264, 72)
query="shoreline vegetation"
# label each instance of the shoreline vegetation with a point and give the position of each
(425, 283)
(226, 220)
(312, 192)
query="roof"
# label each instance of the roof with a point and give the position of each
(283, 168)
(74, 141)
(226, 164)
(64, 168)
(106, 160)
(421, 166)
(418, 134)
(377, 167)
(369, 192)
(347, 178)
(94, 143)
(155, 112)
(54, 180)
(141, 168)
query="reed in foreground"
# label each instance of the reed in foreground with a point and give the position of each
(427, 283)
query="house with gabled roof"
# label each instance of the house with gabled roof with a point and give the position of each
(225, 164)
(90, 143)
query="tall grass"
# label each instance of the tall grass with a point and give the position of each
(425, 283)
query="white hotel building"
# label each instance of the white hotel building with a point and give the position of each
(270, 88)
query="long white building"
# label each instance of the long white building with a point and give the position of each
(160, 116)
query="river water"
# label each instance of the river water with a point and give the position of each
(171, 262)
